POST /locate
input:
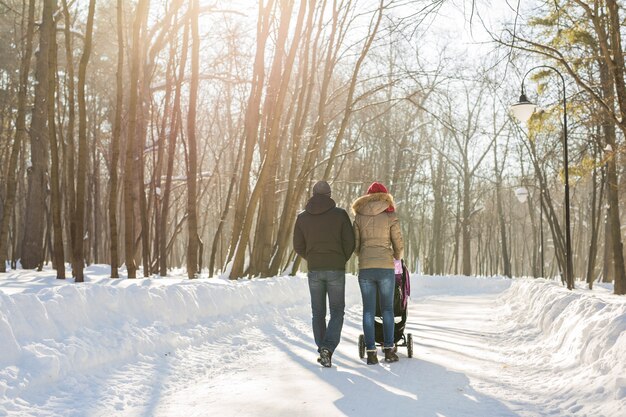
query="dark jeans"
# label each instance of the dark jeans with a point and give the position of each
(333, 284)
(382, 280)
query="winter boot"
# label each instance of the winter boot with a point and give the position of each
(372, 358)
(390, 355)
(325, 358)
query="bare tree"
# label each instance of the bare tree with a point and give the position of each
(68, 144)
(194, 242)
(115, 142)
(172, 140)
(55, 196)
(83, 151)
(20, 133)
(130, 176)
(32, 244)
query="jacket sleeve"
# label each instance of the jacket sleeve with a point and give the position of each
(347, 236)
(299, 243)
(357, 238)
(396, 238)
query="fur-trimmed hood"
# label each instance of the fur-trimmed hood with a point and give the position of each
(372, 204)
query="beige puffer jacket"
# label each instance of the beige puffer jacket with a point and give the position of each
(377, 232)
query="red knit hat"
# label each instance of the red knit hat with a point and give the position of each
(377, 187)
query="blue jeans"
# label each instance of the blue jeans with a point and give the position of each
(333, 284)
(382, 280)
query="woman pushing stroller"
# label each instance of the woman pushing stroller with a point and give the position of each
(378, 241)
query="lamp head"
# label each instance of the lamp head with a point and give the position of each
(521, 194)
(523, 109)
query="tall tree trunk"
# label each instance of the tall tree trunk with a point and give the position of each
(608, 267)
(457, 229)
(55, 195)
(83, 151)
(142, 129)
(161, 143)
(130, 176)
(34, 223)
(95, 236)
(465, 223)
(172, 138)
(236, 141)
(617, 68)
(143, 203)
(20, 133)
(224, 216)
(595, 223)
(611, 80)
(558, 238)
(69, 167)
(115, 142)
(506, 260)
(616, 235)
(537, 234)
(192, 169)
(437, 259)
(18, 221)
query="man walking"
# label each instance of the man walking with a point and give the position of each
(324, 237)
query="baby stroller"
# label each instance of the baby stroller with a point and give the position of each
(400, 307)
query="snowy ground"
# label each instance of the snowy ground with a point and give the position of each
(173, 347)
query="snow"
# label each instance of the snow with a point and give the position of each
(484, 346)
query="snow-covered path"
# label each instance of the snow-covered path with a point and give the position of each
(286, 380)
(265, 366)
(484, 347)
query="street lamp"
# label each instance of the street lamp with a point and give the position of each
(522, 110)
(521, 194)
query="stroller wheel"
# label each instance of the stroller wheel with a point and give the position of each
(409, 345)
(361, 346)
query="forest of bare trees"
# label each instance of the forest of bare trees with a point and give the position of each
(157, 134)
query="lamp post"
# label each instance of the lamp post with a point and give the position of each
(522, 110)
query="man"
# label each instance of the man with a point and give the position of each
(324, 237)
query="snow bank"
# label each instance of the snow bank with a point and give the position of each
(582, 334)
(48, 333)
(51, 330)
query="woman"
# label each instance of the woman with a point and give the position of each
(378, 243)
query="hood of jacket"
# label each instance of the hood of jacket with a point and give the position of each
(319, 204)
(372, 204)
